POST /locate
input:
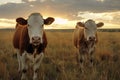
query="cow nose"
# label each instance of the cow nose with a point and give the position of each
(91, 38)
(35, 40)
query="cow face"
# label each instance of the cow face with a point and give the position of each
(35, 27)
(90, 29)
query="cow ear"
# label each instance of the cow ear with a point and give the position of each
(49, 21)
(21, 21)
(100, 24)
(80, 24)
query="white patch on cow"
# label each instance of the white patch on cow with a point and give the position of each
(36, 66)
(35, 62)
(90, 29)
(19, 60)
(28, 59)
(24, 65)
(33, 59)
(23, 60)
(35, 26)
(91, 49)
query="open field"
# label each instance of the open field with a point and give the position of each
(60, 61)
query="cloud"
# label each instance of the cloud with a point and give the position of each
(69, 9)
(7, 21)
(66, 8)
(26, 1)
(13, 10)
(106, 17)
(90, 15)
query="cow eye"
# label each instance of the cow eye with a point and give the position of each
(29, 26)
(42, 25)
(86, 28)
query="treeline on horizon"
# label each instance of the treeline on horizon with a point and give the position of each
(69, 30)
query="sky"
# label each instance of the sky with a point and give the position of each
(66, 12)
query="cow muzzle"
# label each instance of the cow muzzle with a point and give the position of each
(36, 40)
(92, 38)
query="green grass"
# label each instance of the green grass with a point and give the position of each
(60, 62)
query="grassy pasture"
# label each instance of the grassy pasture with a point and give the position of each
(60, 62)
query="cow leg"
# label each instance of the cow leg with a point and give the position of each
(81, 60)
(91, 56)
(19, 61)
(91, 59)
(37, 61)
(24, 66)
(78, 58)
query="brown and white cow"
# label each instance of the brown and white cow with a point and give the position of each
(30, 42)
(85, 39)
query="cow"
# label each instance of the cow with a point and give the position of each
(30, 41)
(85, 39)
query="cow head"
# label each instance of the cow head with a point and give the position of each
(90, 29)
(35, 24)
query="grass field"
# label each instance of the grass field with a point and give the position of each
(60, 58)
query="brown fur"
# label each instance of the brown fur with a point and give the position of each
(79, 38)
(21, 39)
(78, 35)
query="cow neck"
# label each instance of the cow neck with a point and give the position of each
(38, 49)
(31, 49)
(86, 43)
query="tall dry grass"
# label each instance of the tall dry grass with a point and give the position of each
(60, 62)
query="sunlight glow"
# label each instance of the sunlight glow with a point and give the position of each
(9, 1)
(60, 21)
(110, 25)
(7, 23)
(101, 0)
(110, 19)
